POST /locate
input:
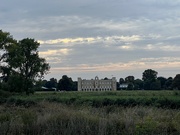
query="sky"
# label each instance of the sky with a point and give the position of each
(105, 38)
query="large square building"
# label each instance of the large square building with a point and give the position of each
(97, 84)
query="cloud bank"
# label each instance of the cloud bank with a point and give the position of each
(104, 37)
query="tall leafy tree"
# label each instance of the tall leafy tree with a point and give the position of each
(168, 83)
(162, 81)
(6, 39)
(155, 85)
(52, 83)
(121, 81)
(129, 79)
(130, 86)
(23, 61)
(176, 82)
(30, 65)
(150, 76)
(138, 84)
(6, 42)
(65, 83)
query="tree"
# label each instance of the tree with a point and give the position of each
(149, 75)
(130, 86)
(75, 86)
(38, 84)
(22, 59)
(138, 84)
(147, 85)
(30, 65)
(121, 81)
(129, 79)
(14, 83)
(6, 41)
(162, 81)
(155, 85)
(65, 83)
(52, 83)
(176, 82)
(168, 83)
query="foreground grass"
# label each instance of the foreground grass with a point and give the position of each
(58, 119)
(92, 113)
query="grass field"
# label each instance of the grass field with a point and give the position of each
(92, 113)
(163, 99)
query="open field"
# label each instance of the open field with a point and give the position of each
(93, 113)
(163, 99)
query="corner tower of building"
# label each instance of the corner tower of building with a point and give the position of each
(79, 84)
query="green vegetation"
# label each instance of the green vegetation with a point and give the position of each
(163, 99)
(20, 64)
(123, 112)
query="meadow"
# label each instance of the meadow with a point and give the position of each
(91, 113)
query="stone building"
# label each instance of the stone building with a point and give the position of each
(97, 84)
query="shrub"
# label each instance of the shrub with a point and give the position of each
(4, 94)
(20, 102)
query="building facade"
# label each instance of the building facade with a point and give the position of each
(97, 84)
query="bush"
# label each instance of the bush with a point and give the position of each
(4, 94)
(20, 102)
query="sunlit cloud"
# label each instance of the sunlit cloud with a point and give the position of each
(81, 40)
(157, 63)
(69, 40)
(59, 52)
(162, 47)
(126, 47)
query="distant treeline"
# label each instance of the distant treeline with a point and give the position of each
(149, 81)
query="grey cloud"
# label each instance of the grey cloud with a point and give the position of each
(155, 22)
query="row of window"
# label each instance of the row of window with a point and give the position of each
(109, 89)
(100, 87)
(98, 82)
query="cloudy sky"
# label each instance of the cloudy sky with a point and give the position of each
(85, 38)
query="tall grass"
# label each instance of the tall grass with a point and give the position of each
(59, 119)
(92, 113)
